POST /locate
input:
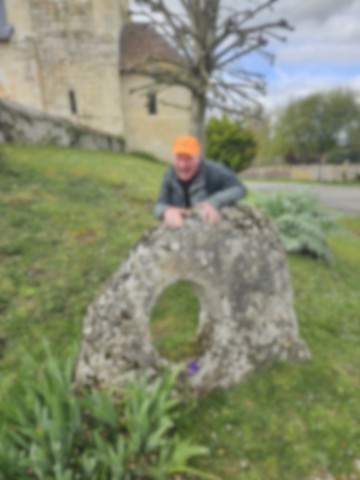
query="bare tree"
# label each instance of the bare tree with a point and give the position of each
(210, 39)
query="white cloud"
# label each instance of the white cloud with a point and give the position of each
(286, 87)
(327, 35)
(324, 29)
(320, 53)
(335, 40)
(318, 10)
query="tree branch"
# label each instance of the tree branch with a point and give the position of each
(175, 105)
(211, 39)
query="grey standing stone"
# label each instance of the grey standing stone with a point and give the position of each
(247, 321)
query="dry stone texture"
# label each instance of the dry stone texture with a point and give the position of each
(19, 124)
(238, 270)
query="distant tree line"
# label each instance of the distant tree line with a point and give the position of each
(323, 127)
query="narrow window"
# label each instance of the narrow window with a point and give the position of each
(6, 30)
(73, 103)
(152, 103)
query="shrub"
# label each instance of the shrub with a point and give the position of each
(230, 143)
(295, 158)
(302, 223)
(49, 432)
(339, 156)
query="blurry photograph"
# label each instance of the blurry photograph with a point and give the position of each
(179, 240)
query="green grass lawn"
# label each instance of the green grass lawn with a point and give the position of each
(68, 218)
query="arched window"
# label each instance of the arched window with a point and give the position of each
(6, 30)
(152, 103)
(73, 102)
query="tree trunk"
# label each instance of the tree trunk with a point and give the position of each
(198, 111)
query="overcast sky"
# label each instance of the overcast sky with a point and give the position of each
(322, 53)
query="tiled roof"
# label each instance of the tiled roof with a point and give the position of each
(139, 42)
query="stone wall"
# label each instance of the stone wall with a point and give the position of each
(19, 74)
(23, 125)
(61, 46)
(72, 47)
(154, 133)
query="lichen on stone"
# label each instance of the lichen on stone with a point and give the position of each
(247, 319)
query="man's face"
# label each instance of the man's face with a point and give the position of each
(186, 165)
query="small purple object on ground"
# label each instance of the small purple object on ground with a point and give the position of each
(193, 367)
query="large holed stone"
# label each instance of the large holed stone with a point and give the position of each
(238, 270)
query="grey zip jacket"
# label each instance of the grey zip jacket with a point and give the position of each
(214, 183)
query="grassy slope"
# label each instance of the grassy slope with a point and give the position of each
(68, 217)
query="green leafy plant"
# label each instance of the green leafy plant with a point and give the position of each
(303, 224)
(51, 433)
(230, 143)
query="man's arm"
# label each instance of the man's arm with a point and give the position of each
(230, 189)
(165, 210)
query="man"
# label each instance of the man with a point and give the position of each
(195, 182)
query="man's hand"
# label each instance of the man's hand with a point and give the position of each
(209, 213)
(174, 217)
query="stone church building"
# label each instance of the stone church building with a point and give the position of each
(67, 58)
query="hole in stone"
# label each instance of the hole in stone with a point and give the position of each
(174, 322)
